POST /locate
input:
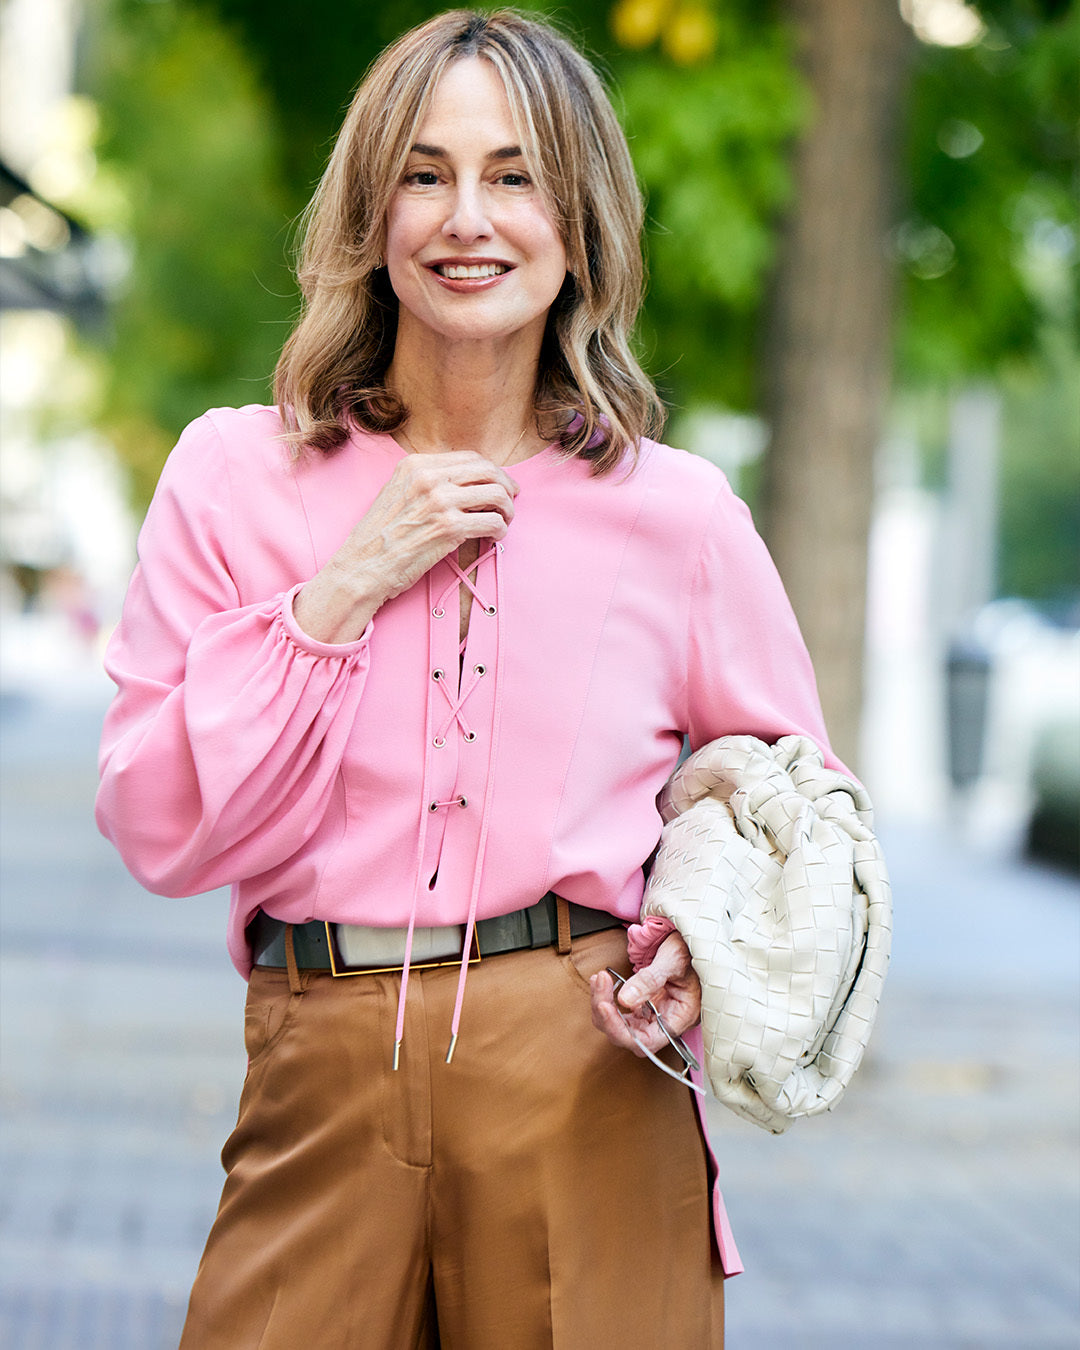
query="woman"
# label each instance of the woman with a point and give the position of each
(406, 661)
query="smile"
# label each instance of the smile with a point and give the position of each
(470, 271)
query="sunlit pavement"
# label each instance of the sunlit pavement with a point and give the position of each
(938, 1207)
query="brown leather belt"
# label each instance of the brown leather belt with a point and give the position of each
(315, 946)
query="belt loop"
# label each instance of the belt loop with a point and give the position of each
(295, 987)
(562, 912)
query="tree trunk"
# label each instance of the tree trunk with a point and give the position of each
(828, 336)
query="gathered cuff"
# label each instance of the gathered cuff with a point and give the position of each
(643, 939)
(312, 645)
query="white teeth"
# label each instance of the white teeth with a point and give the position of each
(476, 272)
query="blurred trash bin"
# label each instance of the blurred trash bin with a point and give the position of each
(968, 668)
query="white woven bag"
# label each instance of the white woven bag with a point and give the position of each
(769, 868)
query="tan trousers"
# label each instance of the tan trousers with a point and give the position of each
(545, 1190)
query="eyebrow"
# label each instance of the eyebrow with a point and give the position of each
(437, 152)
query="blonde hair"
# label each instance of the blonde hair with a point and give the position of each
(590, 388)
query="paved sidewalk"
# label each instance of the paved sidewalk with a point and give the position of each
(939, 1207)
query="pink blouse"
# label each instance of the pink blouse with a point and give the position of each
(405, 773)
(352, 782)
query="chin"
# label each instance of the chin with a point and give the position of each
(473, 326)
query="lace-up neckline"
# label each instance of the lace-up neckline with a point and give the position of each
(450, 732)
(467, 587)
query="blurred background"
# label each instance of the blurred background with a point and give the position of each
(863, 305)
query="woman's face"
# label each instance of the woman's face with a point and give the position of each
(472, 252)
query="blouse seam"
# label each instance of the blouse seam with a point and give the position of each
(343, 834)
(231, 552)
(307, 520)
(694, 566)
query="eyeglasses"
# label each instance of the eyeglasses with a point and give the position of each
(676, 1042)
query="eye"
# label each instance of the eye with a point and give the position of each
(421, 178)
(514, 178)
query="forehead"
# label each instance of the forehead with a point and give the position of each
(468, 106)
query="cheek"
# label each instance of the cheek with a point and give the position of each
(547, 246)
(406, 230)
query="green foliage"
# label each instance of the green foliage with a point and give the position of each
(1040, 478)
(191, 140)
(989, 265)
(309, 58)
(991, 174)
(710, 145)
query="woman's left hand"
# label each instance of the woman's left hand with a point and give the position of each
(669, 982)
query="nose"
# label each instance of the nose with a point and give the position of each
(467, 220)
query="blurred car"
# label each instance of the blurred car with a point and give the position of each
(1054, 827)
(1014, 719)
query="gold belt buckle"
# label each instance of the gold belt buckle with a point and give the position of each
(339, 969)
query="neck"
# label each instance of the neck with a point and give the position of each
(468, 397)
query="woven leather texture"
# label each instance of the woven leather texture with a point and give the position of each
(769, 868)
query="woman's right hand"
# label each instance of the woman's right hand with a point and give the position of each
(431, 505)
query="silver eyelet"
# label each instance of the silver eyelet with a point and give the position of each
(437, 674)
(434, 806)
(489, 609)
(438, 742)
(479, 670)
(438, 613)
(463, 801)
(469, 736)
